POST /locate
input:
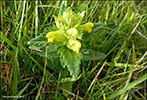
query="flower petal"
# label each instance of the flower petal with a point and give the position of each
(88, 27)
(50, 36)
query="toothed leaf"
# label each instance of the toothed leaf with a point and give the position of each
(71, 60)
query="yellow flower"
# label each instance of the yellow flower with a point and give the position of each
(77, 46)
(50, 36)
(73, 44)
(72, 32)
(88, 27)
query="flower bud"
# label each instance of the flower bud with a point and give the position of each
(67, 14)
(73, 44)
(60, 22)
(69, 19)
(72, 32)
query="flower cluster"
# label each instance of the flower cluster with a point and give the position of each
(69, 30)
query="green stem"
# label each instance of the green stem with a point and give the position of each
(36, 18)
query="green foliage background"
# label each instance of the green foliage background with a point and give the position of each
(114, 57)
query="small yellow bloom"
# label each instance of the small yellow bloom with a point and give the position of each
(73, 44)
(88, 27)
(72, 32)
(50, 36)
(77, 46)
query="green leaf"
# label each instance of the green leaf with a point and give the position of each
(52, 56)
(40, 40)
(88, 55)
(67, 86)
(70, 59)
(51, 51)
(62, 8)
(54, 28)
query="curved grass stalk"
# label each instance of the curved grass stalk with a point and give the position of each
(16, 66)
(36, 18)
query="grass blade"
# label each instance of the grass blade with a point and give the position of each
(131, 85)
(3, 37)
